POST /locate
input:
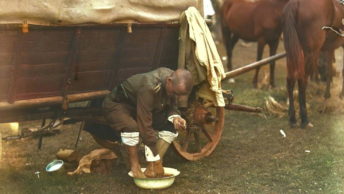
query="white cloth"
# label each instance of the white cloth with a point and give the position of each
(168, 136)
(208, 8)
(172, 117)
(130, 138)
(150, 156)
(94, 159)
(199, 55)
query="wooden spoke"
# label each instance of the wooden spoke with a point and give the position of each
(192, 145)
(206, 133)
(187, 140)
(197, 141)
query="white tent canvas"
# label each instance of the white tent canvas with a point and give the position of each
(52, 12)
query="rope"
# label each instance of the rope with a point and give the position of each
(332, 29)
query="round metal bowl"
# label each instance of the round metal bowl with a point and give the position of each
(156, 183)
(54, 166)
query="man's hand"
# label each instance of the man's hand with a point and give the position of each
(179, 123)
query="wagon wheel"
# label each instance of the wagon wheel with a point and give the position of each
(201, 136)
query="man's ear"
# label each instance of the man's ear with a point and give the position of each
(169, 80)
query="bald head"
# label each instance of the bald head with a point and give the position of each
(182, 80)
(179, 83)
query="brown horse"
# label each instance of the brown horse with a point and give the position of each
(326, 59)
(250, 20)
(304, 38)
(342, 93)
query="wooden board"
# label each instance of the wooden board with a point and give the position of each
(60, 60)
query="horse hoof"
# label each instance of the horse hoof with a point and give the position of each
(292, 125)
(305, 125)
(272, 87)
(327, 96)
(272, 84)
(231, 81)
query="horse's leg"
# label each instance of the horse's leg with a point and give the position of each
(290, 88)
(316, 74)
(342, 93)
(260, 50)
(231, 43)
(226, 37)
(273, 48)
(329, 73)
(302, 83)
(230, 40)
(311, 61)
(320, 70)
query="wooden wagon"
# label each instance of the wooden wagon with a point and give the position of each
(51, 60)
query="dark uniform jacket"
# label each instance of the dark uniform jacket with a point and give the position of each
(146, 93)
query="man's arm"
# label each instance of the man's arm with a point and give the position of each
(145, 101)
(174, 116)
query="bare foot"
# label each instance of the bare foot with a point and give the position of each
(154, 169)
(137, 173)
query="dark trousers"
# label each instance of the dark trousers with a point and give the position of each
(122, 118)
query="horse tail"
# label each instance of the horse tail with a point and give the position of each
(295, 55)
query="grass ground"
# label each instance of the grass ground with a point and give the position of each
(252, 157)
